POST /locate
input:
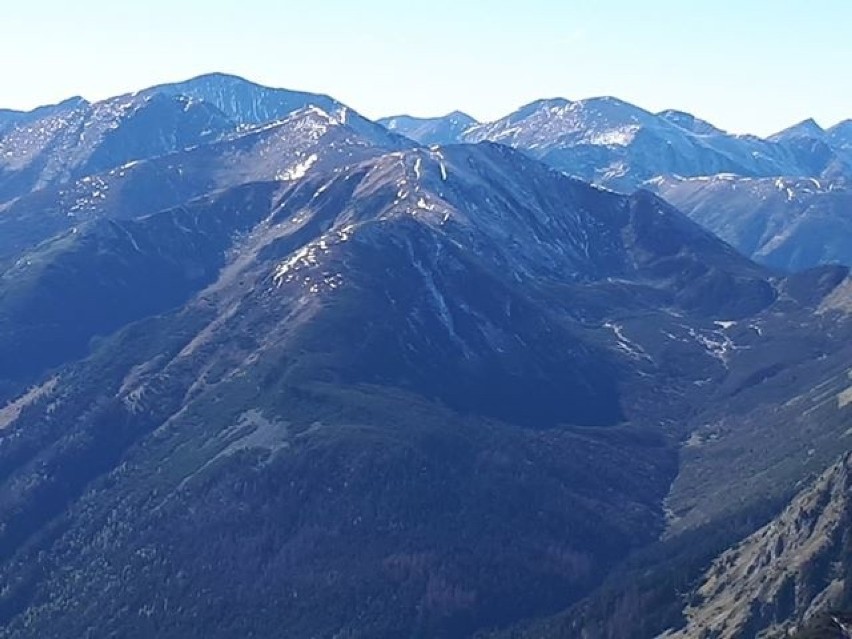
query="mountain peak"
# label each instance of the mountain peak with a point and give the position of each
(244, 101)
(558, 123)
(69, 104)
(540, 105)
(72, 102)
(218, 76)
(841, 134)
(805, 129)
(689, 122)
(445, 129)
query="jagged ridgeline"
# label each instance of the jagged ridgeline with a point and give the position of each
(269, 368)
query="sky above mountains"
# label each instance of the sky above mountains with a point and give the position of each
(753, 67)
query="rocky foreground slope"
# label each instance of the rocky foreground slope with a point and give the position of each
(794, 568)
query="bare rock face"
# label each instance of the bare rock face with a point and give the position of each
(786, 573)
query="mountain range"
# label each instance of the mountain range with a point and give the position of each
(268, 367)
(724, 182)
(618, 145)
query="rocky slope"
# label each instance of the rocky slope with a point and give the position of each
(286, 150)
(787, 223)
(784, 574)
(75, 138)
(53, 145)
(247, 103)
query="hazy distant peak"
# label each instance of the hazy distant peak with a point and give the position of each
(689, 122)
(804, 129)
(841, 134)
(460, 114)
(445, 129)
(844, 125)
(68, 104)
(538, 105)
(244, 101)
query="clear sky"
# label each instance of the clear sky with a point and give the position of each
(746, 65)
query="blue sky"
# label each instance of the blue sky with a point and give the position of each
(748, 66)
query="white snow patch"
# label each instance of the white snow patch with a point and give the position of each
(626, 345)
(441, 165)
(621, 136)
(298, 171)
(346, 232)
(305, 256)
(715, 343)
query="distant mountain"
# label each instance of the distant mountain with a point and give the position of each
(307, 140)
(246, 102)
(805, 129)
(689, 122)
(53, 145)
(9, 117)
(447, 129)
(614, 143)
(840, 135)
(44, 234)
(56, 144)
(787, 223)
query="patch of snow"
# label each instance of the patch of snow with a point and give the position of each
(305, 256)
(621, 136)
(715, 343)
(298, 171)
(626, 345)
(346, 232)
